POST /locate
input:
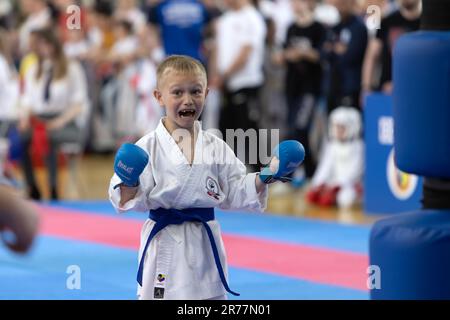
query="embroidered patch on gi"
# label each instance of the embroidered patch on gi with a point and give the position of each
(161, 277)
(158, 293)
(212, 188)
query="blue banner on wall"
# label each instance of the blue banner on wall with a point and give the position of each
(386, 188)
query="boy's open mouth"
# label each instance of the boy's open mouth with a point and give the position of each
(187, 113)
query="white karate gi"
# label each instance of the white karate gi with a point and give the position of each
(342, 162)
(182, 253)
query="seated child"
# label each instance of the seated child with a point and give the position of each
(337, 180)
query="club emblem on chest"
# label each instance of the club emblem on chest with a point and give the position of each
(212, 188)
(161, 277)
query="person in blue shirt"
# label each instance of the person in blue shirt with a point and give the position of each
(181, 24)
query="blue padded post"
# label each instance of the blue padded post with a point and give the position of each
(412, 250)
(421, 75)
(413, 253)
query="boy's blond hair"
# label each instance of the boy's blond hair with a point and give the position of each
(182, 64)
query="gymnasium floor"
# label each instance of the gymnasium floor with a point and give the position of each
(290, 252)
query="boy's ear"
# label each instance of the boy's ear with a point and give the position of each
(207, 91)
(158, 96)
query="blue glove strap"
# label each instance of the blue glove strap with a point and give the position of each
(126, 185)
(267, 176)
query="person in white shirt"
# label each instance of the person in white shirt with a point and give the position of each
(9, 98)
(124, 57)
(56, 95)
(77, 45)
(129, 11)
(9, 82)
(238, 64)
(240, 33)
(179, 174)
(126, 44)
(280, 12)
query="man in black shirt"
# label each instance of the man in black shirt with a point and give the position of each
(405, 19)
(345, 49)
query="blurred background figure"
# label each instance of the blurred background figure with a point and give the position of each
(128, 10)
(122, 56)
(302, 57)
(9, 100)
(379, 53)
(272, 64)
(337, 180)
(279, 16)
(101, 33)
(345, 50)
(76, 44)
(125, 45)
(7, 15)
(55, 105)
(37, 16)
(180, 25)
(238, 68)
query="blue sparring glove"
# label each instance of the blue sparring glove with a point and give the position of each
(129, 163)
(288, 155)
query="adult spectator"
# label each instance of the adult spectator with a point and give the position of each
(238, 64)
(181, 25)
(405, 19)
(55, 99)
(346, 49)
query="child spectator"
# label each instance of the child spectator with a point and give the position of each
(337, 180)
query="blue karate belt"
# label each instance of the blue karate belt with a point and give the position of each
(164, 217)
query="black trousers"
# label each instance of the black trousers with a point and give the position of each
(345, 100)
(301, 110)
(241, 110)
(338, 97)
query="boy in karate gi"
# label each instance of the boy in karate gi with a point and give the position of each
(179, 174)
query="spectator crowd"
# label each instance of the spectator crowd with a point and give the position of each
(78, 76)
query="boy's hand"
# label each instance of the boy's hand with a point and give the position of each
(288, 155)
(129, 163)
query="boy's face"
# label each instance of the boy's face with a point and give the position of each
(183, 96)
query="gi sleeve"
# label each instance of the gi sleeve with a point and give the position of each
(238, 186)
